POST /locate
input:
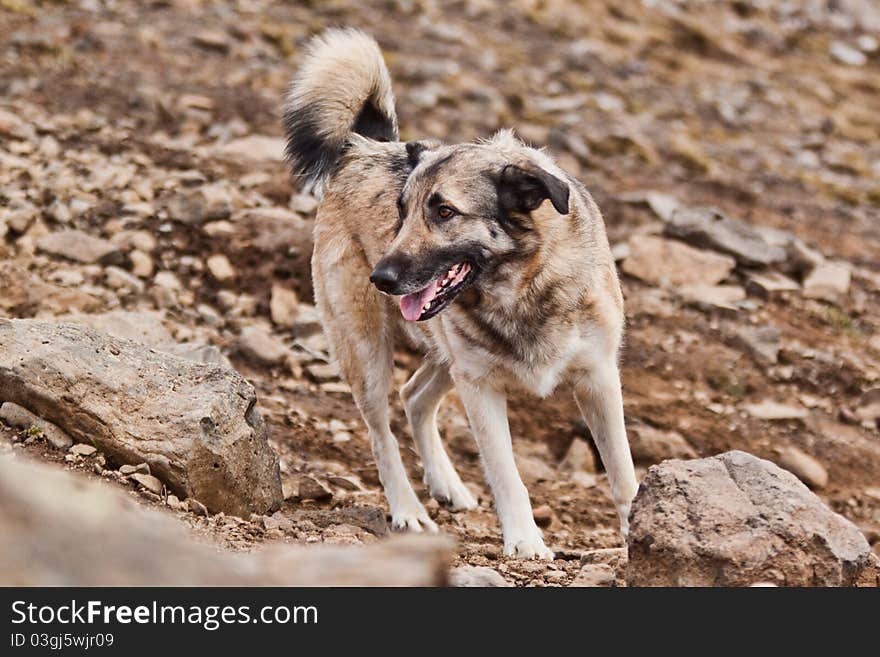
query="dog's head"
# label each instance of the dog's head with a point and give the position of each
(462, 212)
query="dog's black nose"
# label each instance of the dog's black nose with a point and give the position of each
(386, 275)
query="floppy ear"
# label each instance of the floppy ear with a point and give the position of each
(524, 187)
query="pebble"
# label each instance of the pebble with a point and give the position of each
(283, 306)
(829, 281)
(312, 489)
(594, 574)
(543, 515)
(803, 466)
(220, 268)
(80, 247)
(847, 54)
(149, 482)
(131, 469)
(771, 410)
(196, 507)
(477, 576)
(82, 449)
(260, 347)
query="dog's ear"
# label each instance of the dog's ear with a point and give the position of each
(523, 187)
(414, 150)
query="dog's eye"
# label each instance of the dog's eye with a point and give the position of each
(444, 212)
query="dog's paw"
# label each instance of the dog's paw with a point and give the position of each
(413, 519)
(451, 492)
(532, 548)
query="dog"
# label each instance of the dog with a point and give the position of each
(486, 257)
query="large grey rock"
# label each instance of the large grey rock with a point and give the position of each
(735, 520)
(59, 529)
(195, 424)
(711, 229)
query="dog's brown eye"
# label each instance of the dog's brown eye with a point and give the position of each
(445, 212)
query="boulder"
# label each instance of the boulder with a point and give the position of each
(736, 520)
(195, 424)
(59, 529)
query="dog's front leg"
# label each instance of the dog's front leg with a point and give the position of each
(487, 413)
(600, 400)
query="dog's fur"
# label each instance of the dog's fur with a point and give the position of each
(541, 305)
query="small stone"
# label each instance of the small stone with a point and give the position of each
(804, 467)
(81, 449)
(303, 203)
(312, 489)
(141, 264)
(127, 469)
(149, 482)
(80, 247)
(763, 343)
(341, 437)
(347, 483)
(829, 281)
(594, 574)
(173, 502)
(196, 206)
(771, 410)
(119, 279)
(283, 306)
(167, 280)
(255, 147)
(543, 515)
(770, 283)
(477, 576)
(649, 445)
(196, 507)
(322, 372)
(868, 409)
(713, 297)
(667, 263)
(220, 268)
(259, 346)
(663, 205)
(847, 54)
(213, 40)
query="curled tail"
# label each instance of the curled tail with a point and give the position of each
(342, 87)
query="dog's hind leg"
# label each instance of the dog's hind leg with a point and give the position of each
(421, 397)
(600, 400)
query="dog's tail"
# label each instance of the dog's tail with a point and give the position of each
(342, 87)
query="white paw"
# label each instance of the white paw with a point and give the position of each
(451, 492)
(528, 548)
(412, 519)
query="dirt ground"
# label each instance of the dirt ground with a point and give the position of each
(739, 105)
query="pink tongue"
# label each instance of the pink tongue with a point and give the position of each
(411, 304)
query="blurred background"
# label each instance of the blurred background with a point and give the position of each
(733, 146)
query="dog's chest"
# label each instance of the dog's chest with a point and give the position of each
(534, 361)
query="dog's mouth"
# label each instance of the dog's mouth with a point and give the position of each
(439, 293)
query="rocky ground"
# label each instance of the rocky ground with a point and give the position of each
(734, 148)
